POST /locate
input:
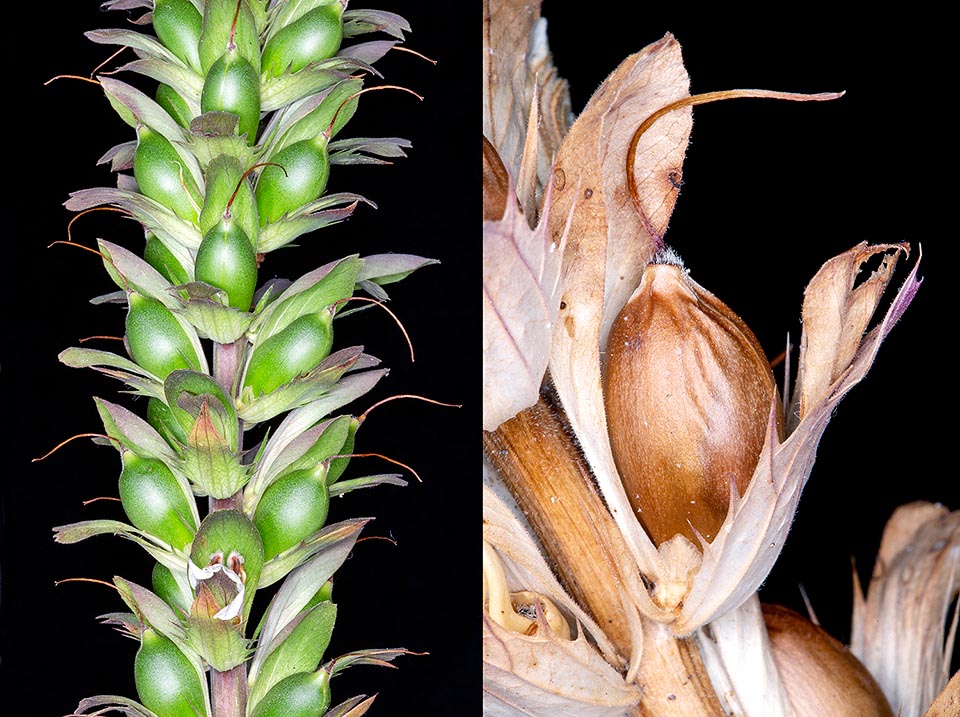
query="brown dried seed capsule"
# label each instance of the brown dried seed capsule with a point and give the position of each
(688, 394)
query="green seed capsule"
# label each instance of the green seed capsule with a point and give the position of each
(219, 33)
(311, 38)
(178, 24)
(160, 258)
(232, 85)
(290, 353)
(154, 500)
(167, 683)
(167, 589)
(156, 339)
(226, 260)
(292, 508)
(303, 177)
(302, 694)
(174, 104)
(162, 419)
(162, 175)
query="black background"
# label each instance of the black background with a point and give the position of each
(409, 594)
(771, 191)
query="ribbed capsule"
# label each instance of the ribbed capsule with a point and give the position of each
(313, 37)
(688, 394)
(166, 681)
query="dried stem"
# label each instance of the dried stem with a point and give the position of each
(549, 479)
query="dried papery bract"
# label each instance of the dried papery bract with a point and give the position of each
(899, 627)
(688, 392)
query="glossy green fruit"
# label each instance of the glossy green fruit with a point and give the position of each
(294, 351)
(162, 175)
(303, 177)
(302, 694)
(167, 683)
(160, 258)
(232, 85)
(313, 37)
(156, 339)
(292, 508)
(174, 104)
(155, 501)
(178, 24)
(219, 33)
(167, 589)
(162, 419)
(226, 260)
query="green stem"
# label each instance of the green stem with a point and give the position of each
(228, 690)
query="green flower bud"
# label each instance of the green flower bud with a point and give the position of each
(292, 508)
(302, 694)
(155, 501)
(292, 352)
(232, 85)
(311, 38)
(174, 104)
(167, 682)
(162, 175)
(226, 260)
(178, 24)
(303, 177)
(216, 37)
(162, 259)
(155, 338)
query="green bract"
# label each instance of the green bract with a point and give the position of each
(302, 694)
(226, 260)
(178, 24)
(167, 682)
(162, 175)
(313, 37)
(167, 588)
(300, 178)
(156, 339)
(219, 32)
(292, 508)
(232, 85)
(290, 353)
(155, 501)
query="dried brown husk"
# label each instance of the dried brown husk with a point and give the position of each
(899, 629)
(820, 675)
(688, 390)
